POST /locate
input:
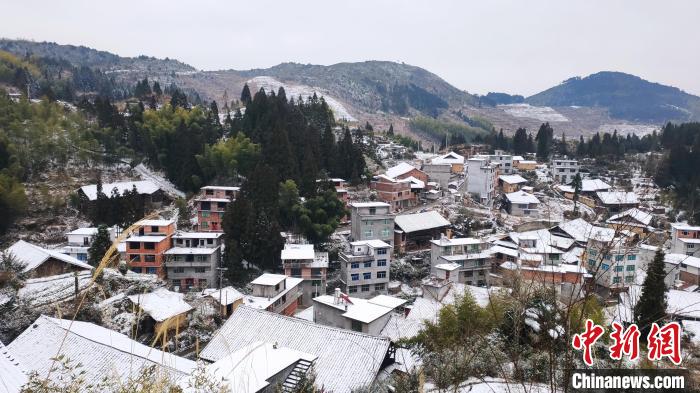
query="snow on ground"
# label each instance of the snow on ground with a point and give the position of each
(47, 290)
(542, 113)
(160, 180)
(271, 84)
(626, 128)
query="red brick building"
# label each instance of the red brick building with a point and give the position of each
(211, 206)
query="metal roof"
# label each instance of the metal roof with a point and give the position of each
(420, 221)
(346, 361)
(12, 374)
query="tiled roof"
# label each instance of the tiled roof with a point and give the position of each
(33, 256)
(12, 374)
(346, 360)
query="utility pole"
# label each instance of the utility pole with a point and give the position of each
(221, 283)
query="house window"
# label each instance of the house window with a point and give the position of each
(149, 246)
(176, 283)
(619, 257)
(381, 274)
(210, 241)
(352, 289)
(381, 251)
(367, 264)
(629, 279)
(605, 266)
(368, 233)
(631, 257)
(178, 241)
(356, 326)
(355, 277)
(151, 270)
(179, 270)
(209, 192)
(135, 258)
(296, 272)
(155, 229)
(82, 257)
(134, 245)
(630, 268)
(149, 258)
(136, 269)
(367, 276)
(381, 262)
(315, 272)
(200, 269)
(364, 288)
(385, 232)
(372, 210)
(616, 280)
(591, 262)
(355, 265)
(379, 287)
(619, 268)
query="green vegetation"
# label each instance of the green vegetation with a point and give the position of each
(439, 130)
(651, 306)
(100, 245)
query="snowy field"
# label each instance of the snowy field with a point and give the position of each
(542, 113)
(626, 128)
(271, 84)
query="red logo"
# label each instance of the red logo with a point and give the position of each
(665, 342)
(586, 340)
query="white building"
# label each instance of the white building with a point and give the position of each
(504, 161)
(370, 221)
(521, 203)
(482, 179)
(364, 270)
(461, 260)
(361, 315)
(563, 170)
(685, 239)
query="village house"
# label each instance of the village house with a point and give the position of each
(612, 259)
(462, 260)
(40, 262)
(681, 270)
(482, 179)
(340, 186)
(520, 164)
(302, 261)
(166, 310)
(510, 183)
(193, 260)
(150, 195)
(340, 367)
(404, 170)
(439, 173)
(227, 299)
(260, 367)
(503, 160)
(414, 231)
(370, 221)
(633, 220)
(276, 293)
(454, 160)
(368, 316)
(563, 170)
(145, 252)
(685, 239)
(80, 240)
(680, 305)
(587, 194)
(397, 193)
(521, 203)
(99, 351)
(211, 206)
(568, 280)
(364, 271)
(617, 201)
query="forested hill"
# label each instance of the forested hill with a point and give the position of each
(625, 96)
(375, 85)
(84, 56)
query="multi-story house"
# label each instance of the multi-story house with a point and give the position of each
(211, 206)
(364, 270)
(80, 240)
(563, 170)
(612, 260)
(275, 293)
(145, 251)
(368, 316)
(462, 260)
(370, 221)
(302, 261)
(685, 239)
(454, 160)
(193, 260)
(482, 179)
(404, 170)
(521, 203)
(397, 193)
(504, 161)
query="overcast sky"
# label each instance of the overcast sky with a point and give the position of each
(518, 46)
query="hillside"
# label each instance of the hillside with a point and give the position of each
(625, 97)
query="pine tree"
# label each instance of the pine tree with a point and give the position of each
(544, 138)
(100, 245)
(391, 130)
(246, 98)
(156, 89)
(520, 141)
(577, 184)
(651, 306)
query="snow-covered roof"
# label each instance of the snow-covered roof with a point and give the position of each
(346, 360)
(448, 266)
(147, 238)
(675, 259)
(399, 169)
(33, 256)
(298, 252)
(374, 243)
(625, 217)
(269, 279)
(458, 241)
(518, 158)
(191, 251)
(13, 375)
(587, 185)
(680, 304)
(161, 304)
(222, 188)
(449, 158)
(155, 223)
(100, 351)
(387, 301)
(263, 303)
(250, 368)
(420, 221)
(88, 231)
(465, 257)
(370, 204)
(505, 250)
(512, 179)
(362, 310)
(495, 385)
(142, 187)
(197, 235)
(521, 197)
(366, 312)
(682, 226)
(581, 230)
(415, 183)
(306, 314)
(617, 197)
(226, 295)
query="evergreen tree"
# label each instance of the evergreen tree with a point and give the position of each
(651, 306)
(156, 89)
(544, 138)
(577, 184)
(391, 130)
(520, 141)
(530, 143)
(564, 149)
(100, 245)
(246, 98)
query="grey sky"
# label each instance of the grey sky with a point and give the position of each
(513, 46)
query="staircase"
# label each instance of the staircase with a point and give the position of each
(298, 372)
